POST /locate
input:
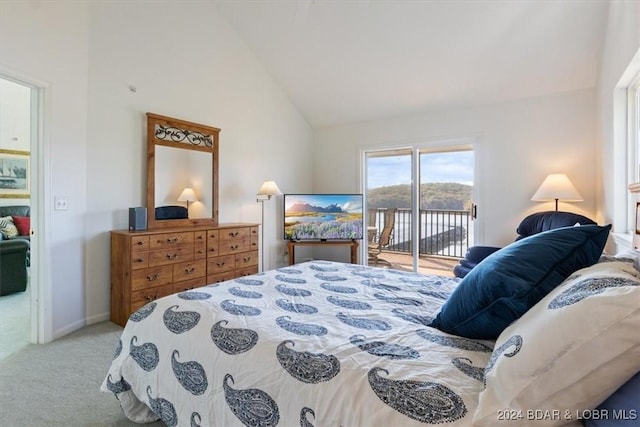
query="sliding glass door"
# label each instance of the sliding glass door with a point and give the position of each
(425, 195)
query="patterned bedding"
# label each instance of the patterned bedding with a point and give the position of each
(315, 344)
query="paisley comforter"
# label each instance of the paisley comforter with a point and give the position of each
(318, 343)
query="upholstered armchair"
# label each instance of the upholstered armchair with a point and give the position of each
(532, 224)
(13, 266)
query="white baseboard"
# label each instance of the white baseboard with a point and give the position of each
(80, 324)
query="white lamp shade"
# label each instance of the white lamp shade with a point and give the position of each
(187, 195)
(268, 189)
(557, 186)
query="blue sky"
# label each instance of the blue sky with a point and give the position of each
(435, 167)
(348, 203)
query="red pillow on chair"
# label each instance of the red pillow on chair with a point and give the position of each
(23, 224)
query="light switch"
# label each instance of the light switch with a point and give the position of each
(60, 203)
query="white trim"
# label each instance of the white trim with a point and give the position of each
(415, 206)
(41, 294)
(633, 141)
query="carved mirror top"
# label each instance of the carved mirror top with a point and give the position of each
(170, 169)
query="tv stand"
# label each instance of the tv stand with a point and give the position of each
(291, 246)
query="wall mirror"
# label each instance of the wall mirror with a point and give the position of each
(181, 155)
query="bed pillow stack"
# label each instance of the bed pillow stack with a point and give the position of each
(567, 354)
(512, 280)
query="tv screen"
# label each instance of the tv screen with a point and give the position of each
(323, 216)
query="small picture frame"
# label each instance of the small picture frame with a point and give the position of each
(14, 174)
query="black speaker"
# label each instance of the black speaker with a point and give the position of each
(137, 219)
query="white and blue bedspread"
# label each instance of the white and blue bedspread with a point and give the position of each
(315, 344)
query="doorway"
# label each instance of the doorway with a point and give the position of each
(429, 189)
(19, 136)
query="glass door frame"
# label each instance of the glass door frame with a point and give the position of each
(415, 149)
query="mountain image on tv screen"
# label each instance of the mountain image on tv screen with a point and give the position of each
(323, 216)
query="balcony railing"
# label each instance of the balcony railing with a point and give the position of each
(442, 232)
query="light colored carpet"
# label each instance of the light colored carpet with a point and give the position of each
(57, 384)
(14, 322)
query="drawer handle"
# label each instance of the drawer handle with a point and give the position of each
(234, 233)
(173, 239)
(254, 244)
(154, 277)
(188, 289)
(200, 251)
(220, 264)
(152, 297)
(140, 243)
(246, 259)
(172, 256)
(189, 270)
(233, 247)
(140, 260)
(199, 238)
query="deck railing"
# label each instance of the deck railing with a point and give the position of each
(442, 232)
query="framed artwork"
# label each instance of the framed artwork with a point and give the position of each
(14, 174)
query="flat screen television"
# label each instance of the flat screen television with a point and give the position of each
(323, 217)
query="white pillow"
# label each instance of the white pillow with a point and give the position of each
(7, 227)
(568, 353)
(632, 254)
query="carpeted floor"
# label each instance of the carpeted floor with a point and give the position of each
(14, 322)
(57, 384)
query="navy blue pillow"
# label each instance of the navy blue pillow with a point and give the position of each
(508, 282)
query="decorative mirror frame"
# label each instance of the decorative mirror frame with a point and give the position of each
(171, 132)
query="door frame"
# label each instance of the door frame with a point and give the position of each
(445, 144)
(40, 294)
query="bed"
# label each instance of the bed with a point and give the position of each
(331, 344)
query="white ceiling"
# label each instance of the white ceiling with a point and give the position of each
(344, 61)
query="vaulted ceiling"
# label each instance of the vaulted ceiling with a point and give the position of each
(344, 61)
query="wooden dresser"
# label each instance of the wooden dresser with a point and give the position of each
(146, 265)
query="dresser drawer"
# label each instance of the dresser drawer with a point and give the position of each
(240, 233)
(151, 277)
(139, 259)
(200, 251)
(189, 270)
(246, 259)
(220, 277)
(170, 256)
(140, 298)
(220, 264)
(200, 237)
(189, 284)
(247, 271)
(212, 249)
(139, 243)
(213, 236)
(171, 240)
(255, 238)
(234, 246)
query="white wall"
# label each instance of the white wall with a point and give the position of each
(621, 44)
(15, 102)
(15, 124)
(518, 144)
(185, 62)
(48, 42)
